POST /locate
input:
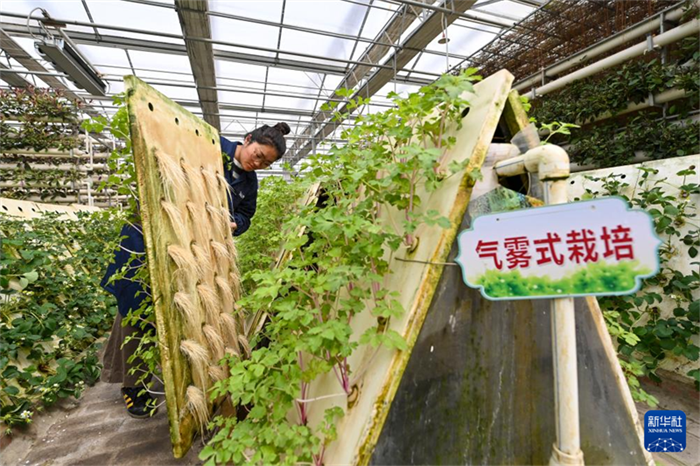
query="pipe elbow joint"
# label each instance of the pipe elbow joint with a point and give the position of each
(549, 161)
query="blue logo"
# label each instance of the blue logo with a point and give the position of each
(664, 431)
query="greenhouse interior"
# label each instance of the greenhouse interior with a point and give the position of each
(360, 270)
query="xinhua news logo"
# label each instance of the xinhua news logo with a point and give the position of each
(664, 431)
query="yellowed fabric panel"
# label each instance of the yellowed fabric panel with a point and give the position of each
(190, 249)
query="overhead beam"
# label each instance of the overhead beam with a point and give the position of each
(281, 24)
(11, 78)
(423, 35)
(195, 23)
(14, 50)
(128, 43)
(390, 34)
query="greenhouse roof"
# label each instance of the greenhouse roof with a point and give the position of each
(239, 64)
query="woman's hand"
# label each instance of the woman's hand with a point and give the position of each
(233, 226)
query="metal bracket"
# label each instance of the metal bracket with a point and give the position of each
(650, 43)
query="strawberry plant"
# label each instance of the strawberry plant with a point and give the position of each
(53, 309)
(645, 337)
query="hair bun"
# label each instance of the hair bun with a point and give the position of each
(283, 128)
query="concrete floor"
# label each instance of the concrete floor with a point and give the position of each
(95, 430)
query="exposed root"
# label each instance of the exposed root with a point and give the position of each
(217, 373)
(171, 174)
(184, 260)
(210, 303)
(199, 222)
(196, 183)
(176, 221)
(189, 312)
(198, 356)
(229, 329)
(216, 343)
(197, 405)
(235, 281)
(226, 294)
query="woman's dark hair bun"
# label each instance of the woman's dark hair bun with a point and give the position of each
(283, 128)
(271, 136)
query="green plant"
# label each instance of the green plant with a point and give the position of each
(645, 337)
(53, 309)
(607, 145)
(586, 99)
(47, 118)
(336, 270)
(555, 128)
(617, 140)
(122, 180)
(261, 244)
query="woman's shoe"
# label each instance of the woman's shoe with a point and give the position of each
(139, 406)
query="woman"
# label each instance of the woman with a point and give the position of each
(260, 149)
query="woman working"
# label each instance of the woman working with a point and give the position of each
(260, 149)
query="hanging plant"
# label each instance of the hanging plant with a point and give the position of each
(337, 269)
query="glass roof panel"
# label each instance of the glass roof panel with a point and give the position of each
(115, 86)
(377, 18)
(103, 55)
(507, 9)
(161, 61)
(331, 84)
(28, 46)
(135, 15)
(141, 36)
(346, 17)
(173, 92)
(402, 89)
(224, 81)
(269, 10)
(242, 84)
(244, 33)
(430, 63)
(185, 78)
(290, 102)
(308, 81)
(291, 89)
(462, 41)
(240, 98)
(57, 9)
(360, 48)
(234, 70)
(314, 44)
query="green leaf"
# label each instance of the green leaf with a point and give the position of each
(31, 276)
(11, 390)
(671, 210)
(257, 412)
(692, 352)
(663, 331)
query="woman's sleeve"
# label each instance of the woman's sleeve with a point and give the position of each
(226, 146)
(244, 213)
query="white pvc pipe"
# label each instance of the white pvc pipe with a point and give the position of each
(64, 166)
(652, 24)
(567, 450)
(674, 35)
(551, 163)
